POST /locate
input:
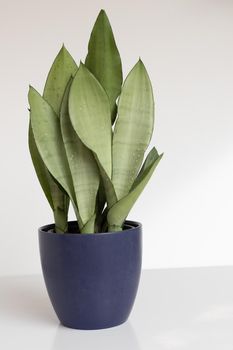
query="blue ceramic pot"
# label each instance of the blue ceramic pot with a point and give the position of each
(92, 279)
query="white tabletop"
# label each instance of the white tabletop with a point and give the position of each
(189, 308)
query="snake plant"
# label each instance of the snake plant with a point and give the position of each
(88, 134)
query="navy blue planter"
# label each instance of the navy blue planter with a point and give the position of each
(92, 279)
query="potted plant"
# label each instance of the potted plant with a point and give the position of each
(88, 135)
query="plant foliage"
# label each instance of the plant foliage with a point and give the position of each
(89, 132)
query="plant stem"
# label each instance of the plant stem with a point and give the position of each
(114, 228)
(60, 218)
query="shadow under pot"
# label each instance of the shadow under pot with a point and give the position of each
(91, 279)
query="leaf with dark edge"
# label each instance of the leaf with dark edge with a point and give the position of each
(48, 138)
(103, 59)
(59, 75)
(89, 113)
(133, 128)
(57, 198)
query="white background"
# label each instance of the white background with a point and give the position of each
(187, 47)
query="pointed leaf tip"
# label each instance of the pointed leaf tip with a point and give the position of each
(64, 49)
(102, 13)
(60, 72)
(141, 64)
(90, 115)
(29, 89)
(103, 59)
(32, 92)
(131, 139)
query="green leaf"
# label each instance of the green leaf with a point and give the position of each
(61, 214)
(90, 116)
(107, 184)
(58, 200)
(41, 170)
(118, 213)
(59, 75)
(83, 167)
(104, 61)
(150, 159)
(89, 227)
(48, 138)
(60, 72)
(133, 129)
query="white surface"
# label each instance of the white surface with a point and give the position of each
(187, 47)
(185, 309)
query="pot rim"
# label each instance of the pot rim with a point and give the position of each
(129, 224)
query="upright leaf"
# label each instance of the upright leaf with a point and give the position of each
(103, 59)
(60, 72)
(62, 68)
(110, 192)
(83, 167)
(133, 129)
(41, 170)
(90, 116)
(89, 227)
(58, 200)
(48, 138)
(61, 213)
(118, 213)
(59, 75)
